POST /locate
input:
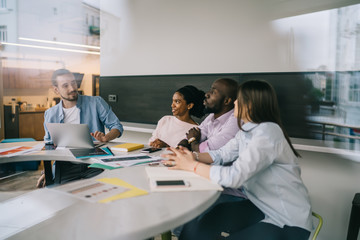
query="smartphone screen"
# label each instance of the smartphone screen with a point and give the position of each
(150, 150)
(170, 183)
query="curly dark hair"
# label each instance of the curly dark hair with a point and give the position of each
(193, 95)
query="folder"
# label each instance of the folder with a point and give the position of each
(127, 147)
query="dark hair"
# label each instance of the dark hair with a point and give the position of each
(261, 98)
(57, 73)
(193, 95)
(231, 87)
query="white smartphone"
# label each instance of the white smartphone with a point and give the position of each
(171, 183)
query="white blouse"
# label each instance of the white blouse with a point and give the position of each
(267, 169)
(171, 130)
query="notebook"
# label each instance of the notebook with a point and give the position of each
(70, 135)
(127, 147)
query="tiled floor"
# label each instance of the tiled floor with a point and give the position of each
(26, 181)
(23, 181)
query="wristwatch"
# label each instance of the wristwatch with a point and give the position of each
(191, 140)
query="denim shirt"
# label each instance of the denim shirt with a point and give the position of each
(94, 112)
(267, 169)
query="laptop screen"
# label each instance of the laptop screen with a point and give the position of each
(70, 135)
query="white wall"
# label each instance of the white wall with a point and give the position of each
(209, 36)
(205, 36)
(332, 182)
(169, 37)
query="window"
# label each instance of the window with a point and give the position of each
(3, 4)
(3, 33)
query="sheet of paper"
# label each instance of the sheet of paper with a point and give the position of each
(19, 150)
(126, 160)
(91, 190)
(196, 182)
(132, 192)
(103, 190)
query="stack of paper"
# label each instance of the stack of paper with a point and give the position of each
(196, 182)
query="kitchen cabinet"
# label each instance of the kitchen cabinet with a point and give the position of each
(31, 125)
(26, 78)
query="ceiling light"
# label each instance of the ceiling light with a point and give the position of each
(50, 48)
(59, 43)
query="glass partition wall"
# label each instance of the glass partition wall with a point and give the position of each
(38, 37)
(333, 75)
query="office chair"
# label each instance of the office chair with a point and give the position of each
(317, 230)
(354, 224)
(166, 235)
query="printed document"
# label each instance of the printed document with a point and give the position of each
(127, 160)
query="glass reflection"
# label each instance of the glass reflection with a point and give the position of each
(332, 78)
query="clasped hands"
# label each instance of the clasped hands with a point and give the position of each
(194, 133)
(180, 159)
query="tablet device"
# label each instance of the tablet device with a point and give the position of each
(70, 135)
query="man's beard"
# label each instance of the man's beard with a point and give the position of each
(71, 99)
(209, 110)
(215, 108)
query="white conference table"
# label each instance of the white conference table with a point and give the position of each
(48, 214)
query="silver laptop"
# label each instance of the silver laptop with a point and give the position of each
(70, 135)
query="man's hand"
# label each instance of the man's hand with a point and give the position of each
(184, 143)
(41, 181)
(99, 136)
(157, 143)
(194, 132)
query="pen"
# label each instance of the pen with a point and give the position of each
(110, 151)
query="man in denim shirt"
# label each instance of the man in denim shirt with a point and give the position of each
(78, 109)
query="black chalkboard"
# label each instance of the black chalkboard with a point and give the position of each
(145, 99)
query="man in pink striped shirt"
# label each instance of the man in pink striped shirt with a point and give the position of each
(220, 125)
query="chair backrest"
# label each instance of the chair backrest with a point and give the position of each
(317, 230)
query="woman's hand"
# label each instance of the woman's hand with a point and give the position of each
(180, 158)
(157, 143)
